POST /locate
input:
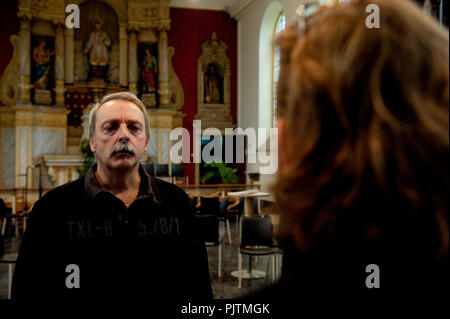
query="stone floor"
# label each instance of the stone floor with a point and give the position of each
(224, 287)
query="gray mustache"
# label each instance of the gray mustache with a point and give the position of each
(122, 147)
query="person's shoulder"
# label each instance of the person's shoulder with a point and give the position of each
(73, 189)
(166, 188)
(56, 203)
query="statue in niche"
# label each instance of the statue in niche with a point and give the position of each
(97, 48)
(149, 69)
(148, 73)
(213, 85)
(41, 65)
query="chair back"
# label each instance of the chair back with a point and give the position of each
(209, 206)
(223, 207)
(194, 201)
(208, 227)
(18, 203)
(257, 231)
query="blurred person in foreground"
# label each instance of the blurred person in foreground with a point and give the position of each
(363, 119)
(116, 234)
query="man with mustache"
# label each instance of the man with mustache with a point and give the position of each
(116, 233)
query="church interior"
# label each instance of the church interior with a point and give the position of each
(186, 60)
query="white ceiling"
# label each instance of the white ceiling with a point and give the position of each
(205, 4)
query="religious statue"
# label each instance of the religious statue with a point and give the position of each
(41, 58)
(212, 85)
(97, 47)
(149, 69)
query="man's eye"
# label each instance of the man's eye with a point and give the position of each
(133, 128)
(109, 128)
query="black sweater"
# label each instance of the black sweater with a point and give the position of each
(147, 251)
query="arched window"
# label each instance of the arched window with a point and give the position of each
(280, 25)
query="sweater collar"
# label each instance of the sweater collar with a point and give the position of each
(147, 187)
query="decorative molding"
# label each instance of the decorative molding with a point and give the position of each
(119, 6)
(149, 14)
(59, 93)
(62, 160)
(42, 97)
(24, 89)
(9, 84)
(33, 116)
(7, 117)
(168, 119)
(132, 88)
(163, 93)
(218, 5)
(52, 10)
(214, 113)
(176, 91)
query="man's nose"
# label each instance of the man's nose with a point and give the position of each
(123, 133)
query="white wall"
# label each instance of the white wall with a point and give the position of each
(253, 23)
(265, 65)
(256, 20)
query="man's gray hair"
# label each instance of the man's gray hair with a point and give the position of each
(124, 96)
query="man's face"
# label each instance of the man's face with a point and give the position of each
(119, 140)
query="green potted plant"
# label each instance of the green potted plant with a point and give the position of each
(88, 158)
(218, 173)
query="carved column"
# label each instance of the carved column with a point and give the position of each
(59, 65)
(123, 44)
(132, 62)
(25, 66)
(68, 61)
(226, 85)
(163, 69)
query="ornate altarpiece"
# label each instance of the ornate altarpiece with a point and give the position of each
(213, 89)
(213, 85)
(48, 83)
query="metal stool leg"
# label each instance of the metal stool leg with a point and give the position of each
(9, 280)
(17, 228)
(219, 270)
(274, 256)
(228, 229)
(4, 221)
(239, 269)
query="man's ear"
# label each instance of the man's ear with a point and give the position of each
(92, 144)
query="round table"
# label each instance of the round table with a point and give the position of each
(248, 199)
(246, 274)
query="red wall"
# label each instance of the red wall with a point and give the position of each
(9, 24)
(189, 29)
